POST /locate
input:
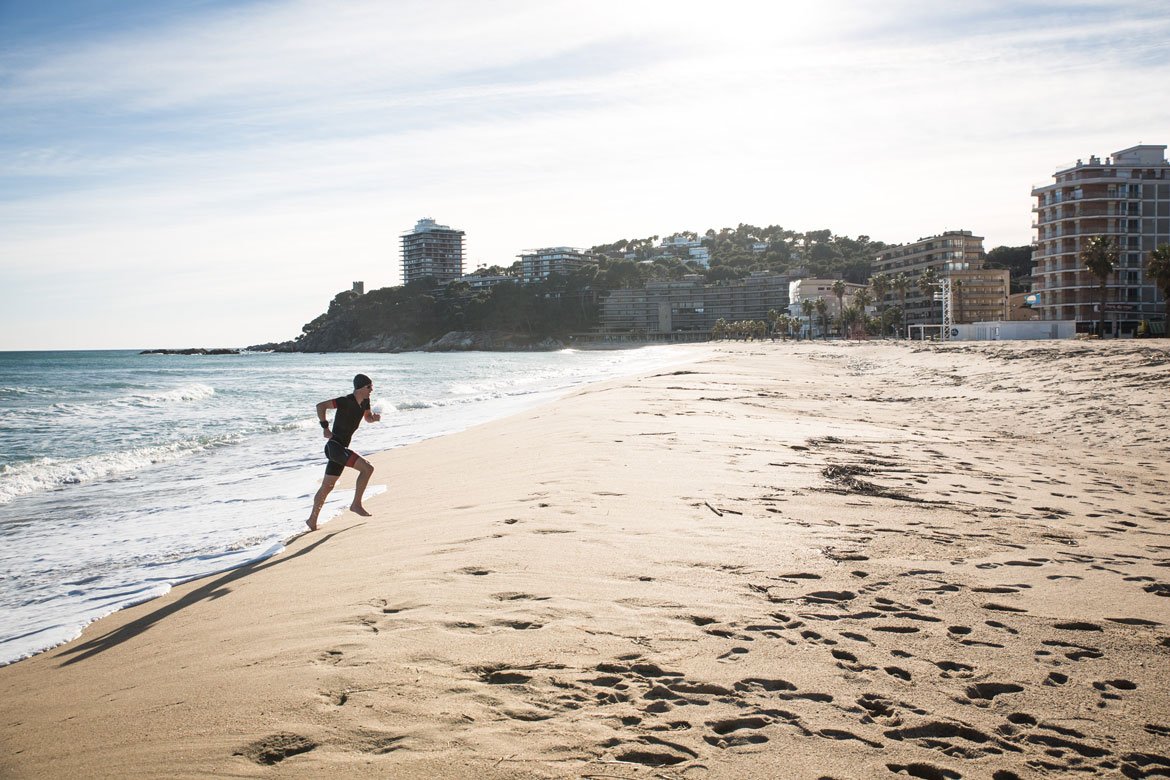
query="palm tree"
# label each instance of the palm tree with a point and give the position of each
(1158, 267)
(850, 317)
(901, 283)
(1100, 256)
(773, 315)
(839, 291)
(822, 307)
(928, 285)
(806, 308)
(861, 299)
(880, 284)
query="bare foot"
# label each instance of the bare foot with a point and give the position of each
(312, 523)
(360, 510)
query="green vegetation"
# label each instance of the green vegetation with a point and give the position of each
(409, 316)
(1018, 261)
(737, 252)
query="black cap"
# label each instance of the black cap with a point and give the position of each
(361, 380)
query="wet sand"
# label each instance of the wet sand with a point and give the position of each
(781, 560)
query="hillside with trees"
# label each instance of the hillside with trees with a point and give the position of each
(514, 315)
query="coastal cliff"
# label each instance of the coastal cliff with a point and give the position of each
(415, 318)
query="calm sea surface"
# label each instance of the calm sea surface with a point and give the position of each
(123, 474)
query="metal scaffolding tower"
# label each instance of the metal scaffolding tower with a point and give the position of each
(947, 306)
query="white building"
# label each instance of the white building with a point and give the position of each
(811, 289)
(539, 264)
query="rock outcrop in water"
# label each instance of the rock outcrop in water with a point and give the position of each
(191, 351)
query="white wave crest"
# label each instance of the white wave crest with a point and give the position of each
(162, 398)
(47, 474)
(193, 392)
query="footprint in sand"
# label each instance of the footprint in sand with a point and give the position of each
(733, 655)
(986, 692)
(275, 748)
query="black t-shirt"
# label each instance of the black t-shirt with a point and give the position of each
(348, 417)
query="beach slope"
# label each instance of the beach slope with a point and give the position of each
(780, 560)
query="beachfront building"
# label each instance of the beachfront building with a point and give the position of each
(432, 251)
(539, 264)
(980, 294)
(977, 293)
(689, 308)
(807, 288)
(1125, 197)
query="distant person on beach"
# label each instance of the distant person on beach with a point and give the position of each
(351, 409)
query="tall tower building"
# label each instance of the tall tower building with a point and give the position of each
(1126, 197)
(432, 250)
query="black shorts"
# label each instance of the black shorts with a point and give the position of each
(339, 458)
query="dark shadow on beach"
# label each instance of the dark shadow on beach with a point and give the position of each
(210, 591)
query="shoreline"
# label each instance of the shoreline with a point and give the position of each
(52, 629)
(730, 564)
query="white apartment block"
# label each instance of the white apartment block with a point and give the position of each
(539, 264)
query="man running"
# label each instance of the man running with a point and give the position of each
(350, 411)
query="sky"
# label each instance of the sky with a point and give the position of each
(211, 173)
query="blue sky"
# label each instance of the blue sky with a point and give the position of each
(211, 173)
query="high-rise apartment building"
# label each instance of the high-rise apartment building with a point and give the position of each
(1125, 197)
(978, 294)
(432, 250)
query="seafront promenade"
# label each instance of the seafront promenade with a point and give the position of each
(806, 560)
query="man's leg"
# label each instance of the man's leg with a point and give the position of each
(365, 471)
(319, 500)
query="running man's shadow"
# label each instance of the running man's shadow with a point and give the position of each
(211, 591)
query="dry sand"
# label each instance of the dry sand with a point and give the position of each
(781, 560)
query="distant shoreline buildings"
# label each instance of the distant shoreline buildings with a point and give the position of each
(940, 282)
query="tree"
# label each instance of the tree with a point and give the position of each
(807, 307)
(850, 319)
(1158, 266)
(839, 291)
(901, 283)
(822, 307)
(1100, 256)
(861, 299)
(773, 320)
(1018, 261)
(928, 286)
(880, 284)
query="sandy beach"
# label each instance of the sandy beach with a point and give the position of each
(780, 560)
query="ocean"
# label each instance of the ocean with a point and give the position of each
(122, 475)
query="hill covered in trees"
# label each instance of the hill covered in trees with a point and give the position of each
(544, 314)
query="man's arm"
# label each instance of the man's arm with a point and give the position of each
(321, 407)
